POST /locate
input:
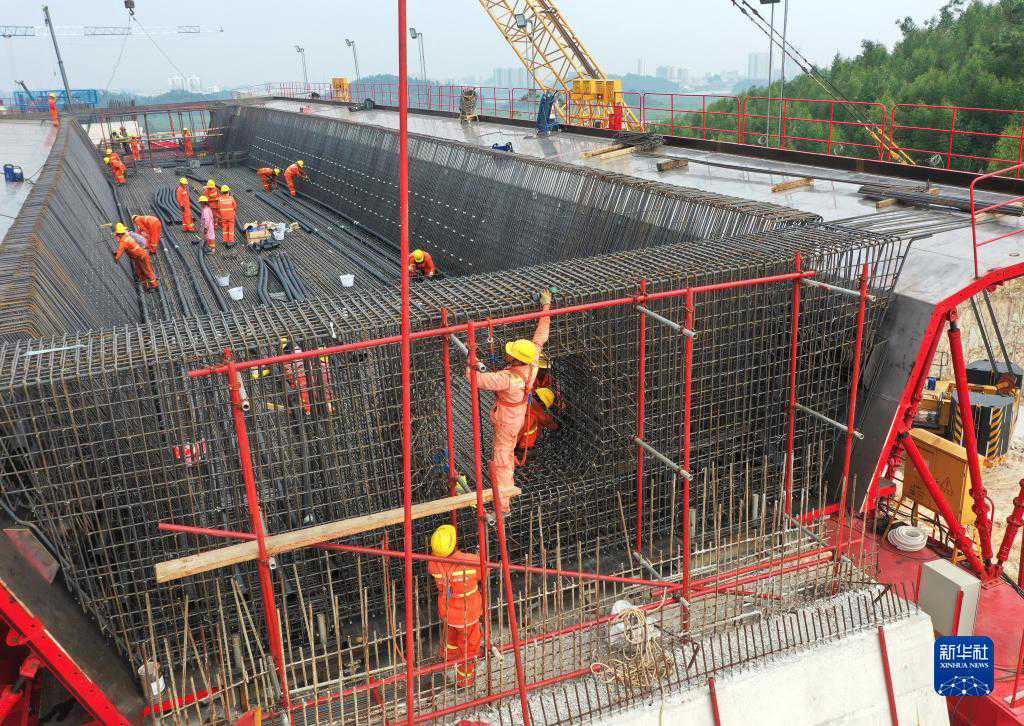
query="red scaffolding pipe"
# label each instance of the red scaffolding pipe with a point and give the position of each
(687, 407)
(641, 384)
(794, 345)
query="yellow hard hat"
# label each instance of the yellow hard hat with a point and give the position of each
(277, 170)
(135, 217)
(300, 162)
(53, 95)
(184, 129)
(522, 350)
(183, 180)
(119, 228)
(204, 198)
(417, 255)
(225, 188)
(442, 541)
(211, 183)
(543, 361)
(546, 396)
(106, 159)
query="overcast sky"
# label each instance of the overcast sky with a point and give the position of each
(259, 35)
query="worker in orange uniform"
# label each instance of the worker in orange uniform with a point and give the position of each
(186, 141)
(298, 169)
(135, 245)
(54, 115)
(512, 388)
(538, 416)
(458, 602)
(117, 167)
(181, 194)
(209, 224)
(135, 143)
(151, 228)
(295, 374)
(210, 190)
(227, 205)
(269, 177)
(421, 262)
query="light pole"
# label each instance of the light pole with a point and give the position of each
(423, 61)
(305, 71)
(355, 57)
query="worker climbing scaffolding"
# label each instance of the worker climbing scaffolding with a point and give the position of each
(512, 389)
(459, 602)
(298, 169)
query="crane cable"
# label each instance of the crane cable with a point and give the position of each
(117, 63)
(157, 46)
(805, 65)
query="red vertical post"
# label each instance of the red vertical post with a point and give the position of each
(851, 414)
(499, 514)
(794, 345)
(893, 716)
(1016, 675)
(406, 350)
(238, 407)
(449, 415)
(831, 122)
(687, 408)
(715, 715)
(785, 122)
(641, 376)
(963, 395)
(952, 137)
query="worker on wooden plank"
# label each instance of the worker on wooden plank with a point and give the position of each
(295, 374)
(117, 167)
(459, 602)
(269, 177)
(421, 263)
(186, 142)
(211, 192)
(227, 205)
(54, 114)
(298, 169)
(151, 228)
(538, 416)
(209, 224)
(512, 387)
(135, 246)
(181, 194)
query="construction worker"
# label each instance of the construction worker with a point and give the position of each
(538, 417)
(186, 142)
(269, 177)
(151, 228)
(136, 146)
(135, 245)
(295, 374)
(125, 140)
(458, 602)
(117, 167)
(181, 194)
(298, 169)
(227, 205)
(512, 387)
(54, 115)
(209, 225)
(421, 262)
(210, 190)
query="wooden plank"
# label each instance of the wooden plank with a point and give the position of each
(286, 542)
(794, 184)
(883, 203)
(603, 150)
(673, 164)
(616, 153)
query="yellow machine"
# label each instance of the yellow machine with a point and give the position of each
(558, 61)
(948, 464)
(341, 89)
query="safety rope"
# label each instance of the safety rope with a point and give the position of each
(644, 661)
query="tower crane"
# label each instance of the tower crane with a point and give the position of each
(100, 31)
(558, 61)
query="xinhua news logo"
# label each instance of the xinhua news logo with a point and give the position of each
(964, 665)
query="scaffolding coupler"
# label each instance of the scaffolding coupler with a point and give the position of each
(665, 321)
(662, 458)
(841, 426)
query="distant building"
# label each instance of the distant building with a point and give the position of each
(511, 78)
(194, 83)
(757, 65)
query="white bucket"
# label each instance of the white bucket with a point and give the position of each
(150, 673)
(236, 293)
(223, 280)
(348, 280)
(279, 230)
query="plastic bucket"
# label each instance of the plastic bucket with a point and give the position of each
(236, 293)
(223, 280)
(348, 280)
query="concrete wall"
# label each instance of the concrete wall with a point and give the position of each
(840, 682)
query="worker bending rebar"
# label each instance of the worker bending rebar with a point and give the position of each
(151, 228)
(269, 177)
(421, 263)
(227, 207)
(135, 246)
(298, 169)
(181, 195)
(458, 602)
(512, 388)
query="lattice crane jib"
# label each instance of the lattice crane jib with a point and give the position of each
(557, 60)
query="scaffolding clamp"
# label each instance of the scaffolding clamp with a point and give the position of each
(835, 288)
(842, 427)
(665, 321)
(465, 351)
(663, 459)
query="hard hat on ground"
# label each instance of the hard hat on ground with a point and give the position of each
(546, 396)
(225, 188)
(442, 541)
(522, 350)
(119, 228)
(277, 170)
(300, 162)
(183, 181)
(417, 255)
(204, 198)
(211, 183)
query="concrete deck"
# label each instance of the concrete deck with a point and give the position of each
(937, 265)
(26, 144)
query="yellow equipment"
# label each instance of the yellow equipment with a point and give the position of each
(119, 228)
(558, 61)
(947, 462)
(442, 541)
(342, 91)
(522, 350)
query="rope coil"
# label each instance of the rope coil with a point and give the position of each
(644, 660)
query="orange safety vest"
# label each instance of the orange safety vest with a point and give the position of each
(226, 205)
(458, 588)
(527, 387)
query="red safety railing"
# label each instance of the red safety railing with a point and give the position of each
(975, 212)
(942, 135)
(835, 128)
(693, 115)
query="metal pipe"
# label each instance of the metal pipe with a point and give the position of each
(794, 346)
(687, 410)
(641, 386)
(984, 336)
(841, 426)
(662, 458)
(999, 334)
(665, 321)
(836, 288)
(60, 61)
